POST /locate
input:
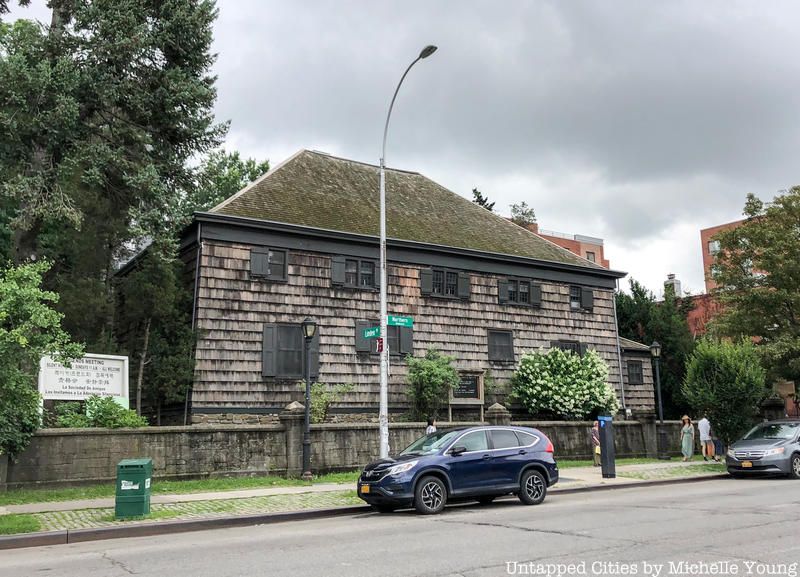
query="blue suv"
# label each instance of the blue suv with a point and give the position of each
(479, 463)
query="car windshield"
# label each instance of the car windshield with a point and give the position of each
(430, 443)
(773, 431)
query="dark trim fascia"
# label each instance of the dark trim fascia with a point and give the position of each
(258, 232)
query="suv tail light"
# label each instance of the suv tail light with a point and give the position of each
(549, 448)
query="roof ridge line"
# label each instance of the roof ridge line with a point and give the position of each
(376, 166)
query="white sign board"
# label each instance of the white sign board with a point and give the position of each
(101, 375)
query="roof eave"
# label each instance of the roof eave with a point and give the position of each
(366, 238)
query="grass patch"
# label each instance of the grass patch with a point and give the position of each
(166, 487)
(12, 524)
(153, 516)
(570, 463)
(674, 472)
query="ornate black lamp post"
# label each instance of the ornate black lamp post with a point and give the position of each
(655, 351)
(309, 330)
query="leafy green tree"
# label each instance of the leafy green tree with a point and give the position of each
(641, 318)
(103, 412)
(726, 381)
(522, 214)
(563, 384)
(430, 378)
(480, 200)
(758, 273)
(29, 329)
(221, 174)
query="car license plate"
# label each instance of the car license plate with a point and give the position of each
(747, 464)
(364, 489)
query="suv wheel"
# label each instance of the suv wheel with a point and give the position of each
(796, 466)
(532, 487)
(430, 496)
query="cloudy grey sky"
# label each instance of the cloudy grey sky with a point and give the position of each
(638, 122)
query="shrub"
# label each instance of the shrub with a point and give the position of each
(726, 381)
(430, 378)
(323, 396)
(564, 384)
(100, 412)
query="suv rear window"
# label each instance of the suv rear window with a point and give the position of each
(527, 439)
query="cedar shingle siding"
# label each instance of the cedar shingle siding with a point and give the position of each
(323, 211)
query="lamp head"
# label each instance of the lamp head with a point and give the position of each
(309, 328)
(427, 51)
(655, 349)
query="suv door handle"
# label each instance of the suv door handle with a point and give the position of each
(522, 452)
(487, 457)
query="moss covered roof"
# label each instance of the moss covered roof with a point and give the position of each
(322, 191)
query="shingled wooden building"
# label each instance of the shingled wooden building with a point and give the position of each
(302, 241)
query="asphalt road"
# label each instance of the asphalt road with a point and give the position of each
(721, 527)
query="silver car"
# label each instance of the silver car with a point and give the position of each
(770, 447)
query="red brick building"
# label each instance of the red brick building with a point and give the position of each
(588, 247)
(709, 249)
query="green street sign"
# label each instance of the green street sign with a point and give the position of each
(371, 333)
(395, 321)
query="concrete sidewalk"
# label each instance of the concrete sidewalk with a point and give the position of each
(571, 478)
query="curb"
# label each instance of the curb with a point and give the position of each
(169, 527)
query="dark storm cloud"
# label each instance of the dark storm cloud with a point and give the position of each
(637, 121)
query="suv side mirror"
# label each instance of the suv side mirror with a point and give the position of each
(456, 451)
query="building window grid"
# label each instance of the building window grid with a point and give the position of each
(451, 283)
(635, 373)
(367, 273)
(359, 273)
(575, 297)
(501, 346)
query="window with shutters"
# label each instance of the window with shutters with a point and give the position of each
(635, 373)
(501, 346)
(283, 352)
(354, 273)
(572, 346)
(268, 263)
(445, 283)
(581, 298)
(517, 291)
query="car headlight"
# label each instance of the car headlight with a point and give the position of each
(731, 453)
(775, 451)
(402, 468)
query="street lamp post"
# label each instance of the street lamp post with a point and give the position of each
(384, 391)
(309, 330)
(655, 351)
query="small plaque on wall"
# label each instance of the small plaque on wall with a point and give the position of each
(469, 390)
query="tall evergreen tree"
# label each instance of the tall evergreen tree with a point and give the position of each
(480, 200)
(99, 113)
(641, 318)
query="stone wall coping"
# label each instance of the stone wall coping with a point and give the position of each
(213, 428)
(417, 425)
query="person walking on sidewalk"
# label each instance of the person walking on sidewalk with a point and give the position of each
(431, 426)
(687, 437)
(596, 443)
(706, 441)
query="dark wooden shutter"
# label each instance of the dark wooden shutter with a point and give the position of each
(259, 265)
(376, 281)
(363, 345)
(406, 340)
(269, 344)
(313, 351)
(502, 290)
(536, 295)
(464, 288)
(587, 299)
(337, 270)
(426, 281)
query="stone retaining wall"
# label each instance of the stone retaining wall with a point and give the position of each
(80, 456)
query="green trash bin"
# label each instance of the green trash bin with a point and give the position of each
(133, 488)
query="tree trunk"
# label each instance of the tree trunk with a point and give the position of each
(158, 412)
(142, 363)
